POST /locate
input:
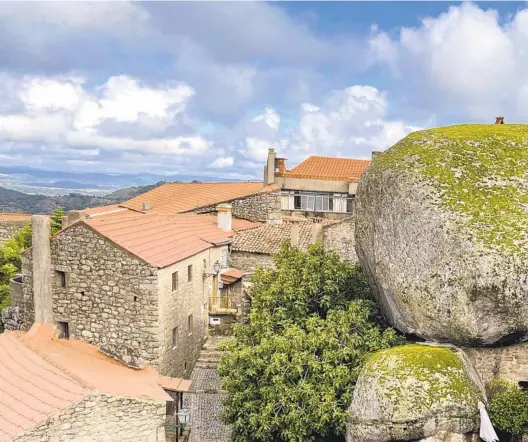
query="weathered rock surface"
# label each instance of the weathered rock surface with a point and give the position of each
(442, 233)
(445, 436)
(410, 392)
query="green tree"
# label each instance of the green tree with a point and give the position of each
(508, 407)
(290, 372)
(56, 219)
(10, 260)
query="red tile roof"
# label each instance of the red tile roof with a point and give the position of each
(329, 168)
(162, 240)
(41, 375)
(15, 217)
(173, 198)
(104, 210)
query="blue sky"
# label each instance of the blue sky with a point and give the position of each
(205, 88)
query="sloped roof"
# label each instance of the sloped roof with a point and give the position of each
(329, 168)
(104, 210)
(162, 240)
(173, 198)
(41, 375)
(268, 238)
(15, 217)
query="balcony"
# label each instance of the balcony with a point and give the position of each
(222, 305)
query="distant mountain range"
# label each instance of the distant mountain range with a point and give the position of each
(55, 183)
(15, 201)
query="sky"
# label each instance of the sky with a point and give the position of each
(207, 88)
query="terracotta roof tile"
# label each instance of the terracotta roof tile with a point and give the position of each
(268, 238)
(329, 168)
(15, 217)
(173, 198)
(41, 375)
(104, 210)
(162, 240)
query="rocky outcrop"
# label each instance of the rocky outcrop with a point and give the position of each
(412, 392)
(444, 436)
(442, 233)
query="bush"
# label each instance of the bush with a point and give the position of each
(508, 407)
(289, 373)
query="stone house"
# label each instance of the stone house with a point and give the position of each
(322, 187)
(56, 390)
(257, 246)
(136, 285)
(10, 223)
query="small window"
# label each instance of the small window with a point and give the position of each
(61, 278)
(297, 202)
(135, 298)
(205, 263)
(189, 273)
(350, 204)
(174, 337)
(175, 281)
(185, 365)
(190, 324)
(64, 330)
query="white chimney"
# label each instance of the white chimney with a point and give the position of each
(269, 170)
(146, 206)
(294, 235)
(225, 218)
(74, 216)
(317, 233)
(42, 289)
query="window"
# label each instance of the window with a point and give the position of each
(64, 330)
(174, 281)
(174, 337)
(523, 385)
(60, 278)
(190, 324)
(185, 365)
(297, 202)
(350, 204)
(189, 273)
(205, 263)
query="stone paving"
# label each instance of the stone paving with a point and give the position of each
(205, 400)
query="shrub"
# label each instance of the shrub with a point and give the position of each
(508, 407)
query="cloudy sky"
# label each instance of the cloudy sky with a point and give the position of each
(206, 88)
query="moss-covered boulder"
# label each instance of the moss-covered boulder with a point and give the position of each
(412, 392)
(442, 233)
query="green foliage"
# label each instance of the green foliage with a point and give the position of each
(291, 371)
(508, 407)
(10, 260)
(56, 219)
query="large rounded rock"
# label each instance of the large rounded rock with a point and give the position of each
(412, 392)
(442, 233)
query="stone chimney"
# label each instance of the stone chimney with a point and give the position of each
(74, 216)
(317, 233)
(499, 120)
(281, 165)
(294, 235)
(42, 289)
(269, 170)
(225, 218)
(146, 206)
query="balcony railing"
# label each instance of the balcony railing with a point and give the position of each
(221, 304)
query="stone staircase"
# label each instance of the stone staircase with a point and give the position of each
(210, 354)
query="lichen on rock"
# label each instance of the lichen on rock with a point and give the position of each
(411, 392)
(442, 233)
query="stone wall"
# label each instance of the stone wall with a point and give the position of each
(340, 237)
(103, 418)
(247, 261)
(176, 306)
(505, 362)
(8, 229)
(110, 298)
(254, 208)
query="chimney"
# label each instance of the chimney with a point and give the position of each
(269, 177)
(294, 235)
(42, 290)
(317, 233)
(146, 206)
(74, 216)
(499, 120)
(374, 153)
(281, 164)
(224, 217)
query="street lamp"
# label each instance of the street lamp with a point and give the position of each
(216, 268)
(183, 414)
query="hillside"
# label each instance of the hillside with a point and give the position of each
(14, 201)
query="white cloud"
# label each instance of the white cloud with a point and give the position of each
(222, 162)
(467, 60)
(270, 117)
